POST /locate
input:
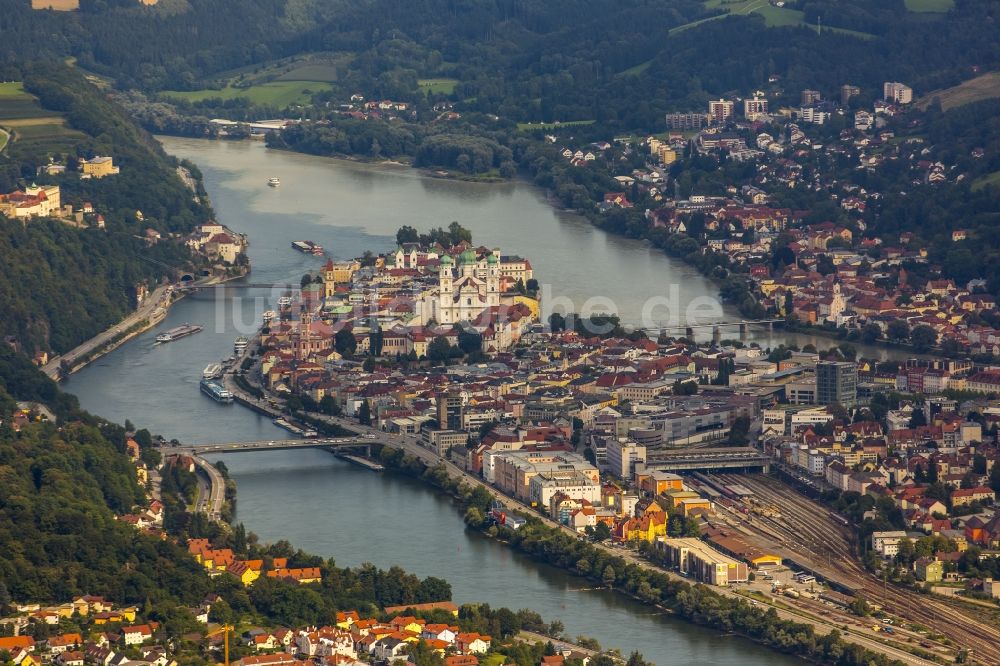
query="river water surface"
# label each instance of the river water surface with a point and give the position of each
(326, 506)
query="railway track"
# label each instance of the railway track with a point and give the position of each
(810, 531)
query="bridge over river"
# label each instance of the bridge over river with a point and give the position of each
(269, 445)
(212, 495)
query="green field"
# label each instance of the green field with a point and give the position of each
(12, 89)
(984, 86)
(989, 180)
(930, 6)
(323, 73)
(275, 93)
(324, 67)
(35, 131)
(437, 86)
(551, 126)
(774, 17)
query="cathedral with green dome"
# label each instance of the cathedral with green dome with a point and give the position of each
(466, 287)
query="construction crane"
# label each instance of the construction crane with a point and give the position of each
(224, 629)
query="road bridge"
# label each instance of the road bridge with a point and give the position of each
(744, 327)
(269, 445)
(743, 458)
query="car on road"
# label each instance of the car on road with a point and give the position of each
(371, 435)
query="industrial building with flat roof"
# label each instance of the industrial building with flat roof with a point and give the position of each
(697, 558)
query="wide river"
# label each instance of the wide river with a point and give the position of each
(337, 510)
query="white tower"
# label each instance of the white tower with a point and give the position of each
(446, 289)
(492, 280)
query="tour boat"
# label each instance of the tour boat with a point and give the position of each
(274, 182)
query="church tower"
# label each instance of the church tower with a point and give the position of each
(329, 280)
(492, 280)
(446, 288)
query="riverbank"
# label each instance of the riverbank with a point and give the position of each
(149, 314)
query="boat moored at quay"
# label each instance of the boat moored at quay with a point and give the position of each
(216, 391)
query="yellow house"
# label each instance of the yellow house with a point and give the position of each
(381, 632)
(129, 613)
(646, 528)
(246, 572)
(99, 167)
(338, 273)
(107, 617)
(413, 626)
(531, 303)
(346, 619)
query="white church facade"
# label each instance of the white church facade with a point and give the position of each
(466, 287)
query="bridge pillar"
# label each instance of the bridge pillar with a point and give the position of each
(770, 327)
(744, 328)
(716, 335)
(689, 333)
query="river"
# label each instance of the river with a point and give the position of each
(337, 510)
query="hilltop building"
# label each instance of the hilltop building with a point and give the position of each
(99, 167)
(34, 201)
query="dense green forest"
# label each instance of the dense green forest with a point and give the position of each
(60, 285)
(522, 59)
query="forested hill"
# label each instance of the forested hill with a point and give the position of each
(506, 54)
(60, 285)
(148, 181)
(60, 489)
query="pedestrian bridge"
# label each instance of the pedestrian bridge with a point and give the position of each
(739, 458)
(269, 445)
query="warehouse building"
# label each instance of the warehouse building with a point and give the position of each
(704, 563)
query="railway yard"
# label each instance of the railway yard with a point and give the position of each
(775, 517)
